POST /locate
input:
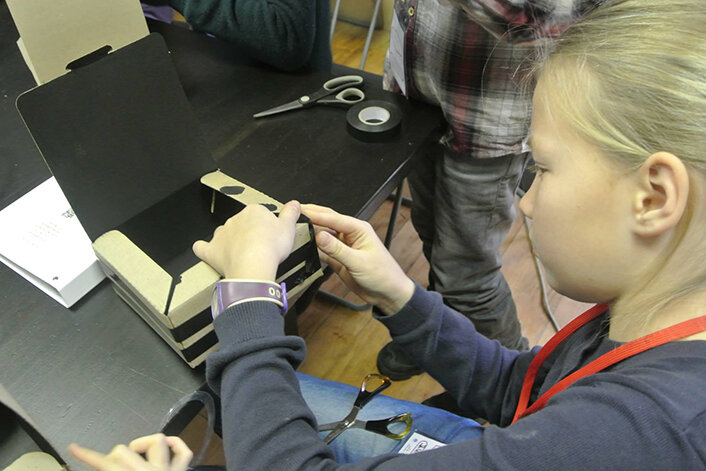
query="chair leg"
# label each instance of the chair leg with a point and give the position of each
(334, 19)
(344, 302)
(397, 202)
(371, 28)
(406, 200)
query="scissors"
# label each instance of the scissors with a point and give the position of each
(348, 95)
(381, 426)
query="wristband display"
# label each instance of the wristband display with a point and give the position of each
(228, 293)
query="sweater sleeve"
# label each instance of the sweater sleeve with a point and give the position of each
(603, 421)
(278, 32)
(266, 423)
(483, 376)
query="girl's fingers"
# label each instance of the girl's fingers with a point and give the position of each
(290, 213)
(334, 264)
(142, 444)
(315, 208)
(200, 248)
(123, 458)
(335, 249)
(318, 229)
(120, 458)
(91, 458)
(330, 219)
(154, 447)
(182, 453)
(128, 459)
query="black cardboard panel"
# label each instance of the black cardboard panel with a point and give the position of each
(167, 230)
(118, 134)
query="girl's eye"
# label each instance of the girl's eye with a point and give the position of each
(536, 169)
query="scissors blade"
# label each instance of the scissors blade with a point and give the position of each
(340, 426)
(328, 426)
(292, 105)
(335, 433)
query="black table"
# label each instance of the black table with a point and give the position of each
(97, 374)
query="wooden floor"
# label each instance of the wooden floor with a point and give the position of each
(343, 344)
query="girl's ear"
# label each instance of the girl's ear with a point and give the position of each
(661, 196)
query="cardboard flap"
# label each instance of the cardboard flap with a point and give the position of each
(58, 32)
(241, 192)
(35, 461)
(118, 134)
(238, 190)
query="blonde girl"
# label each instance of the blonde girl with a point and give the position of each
(618, 212)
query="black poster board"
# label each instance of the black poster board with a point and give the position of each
(118, 134)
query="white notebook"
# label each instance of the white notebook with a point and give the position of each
(42, 240)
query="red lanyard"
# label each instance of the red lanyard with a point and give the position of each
(675, 332)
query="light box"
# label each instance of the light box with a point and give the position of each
(120, 137)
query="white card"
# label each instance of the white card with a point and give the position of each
(418, 442)
(43, 241)
(396, 55)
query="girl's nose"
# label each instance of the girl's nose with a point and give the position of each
(527, 201)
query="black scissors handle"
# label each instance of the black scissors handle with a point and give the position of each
(374, 380)
(382, 426)
(330, 87)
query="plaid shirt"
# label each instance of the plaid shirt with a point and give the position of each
(467, 58)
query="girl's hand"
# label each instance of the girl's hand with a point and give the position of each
(123, 458)
(360, 259)
(251, 244)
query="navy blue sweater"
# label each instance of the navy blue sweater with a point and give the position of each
(646, 413)
(287, 34)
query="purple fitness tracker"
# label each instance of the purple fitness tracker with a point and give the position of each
(230, 292)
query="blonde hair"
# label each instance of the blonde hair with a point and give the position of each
(631, 79)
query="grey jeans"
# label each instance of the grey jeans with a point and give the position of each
(462, 210)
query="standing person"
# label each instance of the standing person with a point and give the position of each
(286, 34)
(467, 57)
(619, 214)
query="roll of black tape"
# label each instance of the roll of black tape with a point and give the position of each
(374, 120)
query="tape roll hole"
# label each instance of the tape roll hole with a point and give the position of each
(374, 115)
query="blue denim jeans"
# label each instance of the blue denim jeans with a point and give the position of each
(462, 209)
(331, 401)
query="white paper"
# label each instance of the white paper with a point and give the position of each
(396, 54)
(42, 240)
(418, 442)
